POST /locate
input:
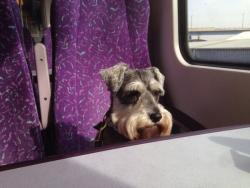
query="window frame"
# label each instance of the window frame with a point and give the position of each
(184, 47)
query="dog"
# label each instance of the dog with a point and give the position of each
(135, 112)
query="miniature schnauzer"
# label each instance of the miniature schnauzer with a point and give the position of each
(135, 112)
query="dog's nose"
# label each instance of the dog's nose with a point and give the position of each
(155, 117)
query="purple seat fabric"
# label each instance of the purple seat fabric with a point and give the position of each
(89, 36)
(20, 138)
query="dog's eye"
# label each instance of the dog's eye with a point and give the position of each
(156, 92)
(131, 97)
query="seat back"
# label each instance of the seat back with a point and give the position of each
(20, 137)
(89, 36)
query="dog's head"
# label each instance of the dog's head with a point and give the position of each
(135, 94)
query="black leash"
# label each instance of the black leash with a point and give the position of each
(101, 127)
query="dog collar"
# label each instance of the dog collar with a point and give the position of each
(105, 124)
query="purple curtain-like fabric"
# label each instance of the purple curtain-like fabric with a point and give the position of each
(89, 36)
(20, 137)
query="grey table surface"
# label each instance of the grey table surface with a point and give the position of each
(220, 159)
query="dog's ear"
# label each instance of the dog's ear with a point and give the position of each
(158, 75)
(114, 76)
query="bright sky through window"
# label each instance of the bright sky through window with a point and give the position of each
(219, 13)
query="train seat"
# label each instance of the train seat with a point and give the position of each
(89, 36)
(20, 135)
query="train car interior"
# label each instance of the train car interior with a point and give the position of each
(55, 90)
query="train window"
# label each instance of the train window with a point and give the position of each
(217, 32)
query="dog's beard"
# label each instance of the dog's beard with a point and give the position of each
(134, 124)
(161, 128)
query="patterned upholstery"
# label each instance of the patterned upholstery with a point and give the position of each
(20, 138)
(90, 35)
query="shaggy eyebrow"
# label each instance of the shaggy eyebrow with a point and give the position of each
(155, 86)
(136, 85)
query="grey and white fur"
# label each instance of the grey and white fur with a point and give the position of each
(135, 110)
